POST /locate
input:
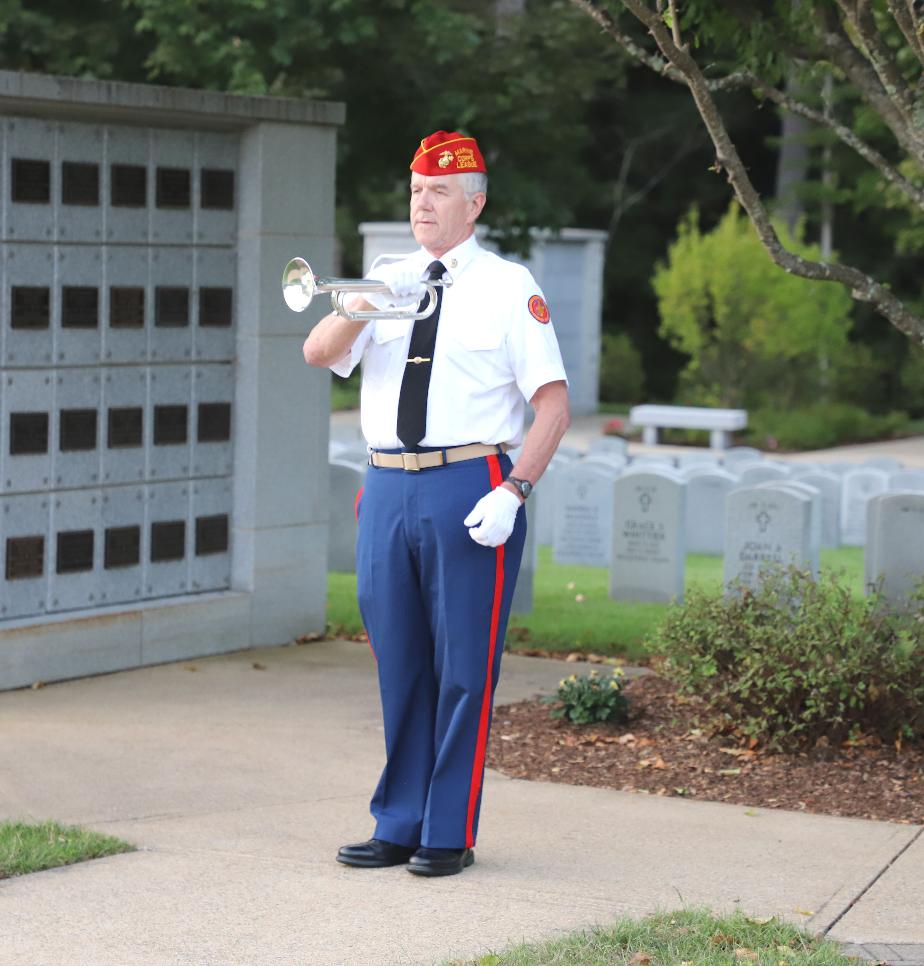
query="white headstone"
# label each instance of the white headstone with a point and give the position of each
(697, 457)
(346, 480)
(895, 543)
(609, 444)
(815, 521)
(648, 537)
(763, 472)
(542, 512)
(829, 485)
(583, 524)
(887, 463)
(707, 491)
(909, 481)
(523, 592)
(740, 454)
(766, 527)
(857, 486)
(610, 462)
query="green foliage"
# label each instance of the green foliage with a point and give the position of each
(694, 936)
(819, 426)
(912, 380)
(27, 847)
(590, 698)
(753, 334)
(798, 662)
(622, 378)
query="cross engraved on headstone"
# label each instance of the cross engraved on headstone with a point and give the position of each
(763, 520)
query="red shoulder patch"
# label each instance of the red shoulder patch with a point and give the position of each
(538, 309)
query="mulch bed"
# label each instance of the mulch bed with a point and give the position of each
(664, 750)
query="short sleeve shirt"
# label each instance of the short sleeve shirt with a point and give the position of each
(495, 346)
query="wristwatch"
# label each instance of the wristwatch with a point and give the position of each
(524, 486)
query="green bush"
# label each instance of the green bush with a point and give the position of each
(622, 377)
(754, 335)
(591, 698)
(819, 426)
(796, 662)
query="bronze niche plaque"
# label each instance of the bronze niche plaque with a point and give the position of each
(30, 307)
(217, 188)
(28, 433)
(126, 307)
(75, 551)
(173, 187)
(215, 307)
(170, 425)
(171, 306)
(123, 547)
(79, 307)
(168, 540)
(25, 557)
(77, 430)
(31, 181)
(214, 425)
(211, 534)
(79, 183)
(129, 186)
(126, 425)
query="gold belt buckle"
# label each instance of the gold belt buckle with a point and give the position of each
(411, 462)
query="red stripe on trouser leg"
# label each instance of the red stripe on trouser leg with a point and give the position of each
(497, 478)
(359, 496)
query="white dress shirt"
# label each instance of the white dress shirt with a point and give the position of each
(492, 354)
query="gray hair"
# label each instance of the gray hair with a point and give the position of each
(473, 183)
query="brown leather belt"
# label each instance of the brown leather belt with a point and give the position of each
(412, 462)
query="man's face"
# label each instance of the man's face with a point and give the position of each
(441, 216)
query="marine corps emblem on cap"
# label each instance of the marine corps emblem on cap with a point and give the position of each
(448, 152)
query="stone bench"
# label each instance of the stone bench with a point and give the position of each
(721, 423)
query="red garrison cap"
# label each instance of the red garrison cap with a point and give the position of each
(448, 152)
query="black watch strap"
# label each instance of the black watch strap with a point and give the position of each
(524, 486)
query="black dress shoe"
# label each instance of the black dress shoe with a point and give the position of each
(440, 861)
(375, 854)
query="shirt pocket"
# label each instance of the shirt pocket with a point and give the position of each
(480, 338)
(385, 356)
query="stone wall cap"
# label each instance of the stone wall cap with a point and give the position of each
(77, 98)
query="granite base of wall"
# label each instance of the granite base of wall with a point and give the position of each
(113, 639)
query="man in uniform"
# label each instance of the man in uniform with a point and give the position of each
(441, 529)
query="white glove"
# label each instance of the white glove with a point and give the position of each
(496, 512)
(404, 281)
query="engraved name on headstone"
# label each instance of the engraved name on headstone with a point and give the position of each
(648, 536)
(583, 522)
(765, 527)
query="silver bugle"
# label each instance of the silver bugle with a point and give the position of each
(300, 285)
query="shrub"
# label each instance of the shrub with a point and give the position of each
(795, 662)
(819, 426)
(591, 698)
(753, 334)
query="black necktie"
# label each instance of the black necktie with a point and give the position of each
(412, 402)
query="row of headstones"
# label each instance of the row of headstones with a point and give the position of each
(777, 522)
(573, 500)
(643, 532)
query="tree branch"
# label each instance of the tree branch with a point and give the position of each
(901, 14)
(861, 286)
(747, 79)
(860, 17)
(844, 55)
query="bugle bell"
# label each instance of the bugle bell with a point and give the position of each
(300, 285)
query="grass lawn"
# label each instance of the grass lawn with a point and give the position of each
(572, 610)
(29, 847)
(693, 937)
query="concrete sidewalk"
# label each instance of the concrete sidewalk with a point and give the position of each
(238, 783)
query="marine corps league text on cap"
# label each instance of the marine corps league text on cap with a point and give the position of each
(448, 152)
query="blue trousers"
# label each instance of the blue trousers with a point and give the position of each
(435, 605)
